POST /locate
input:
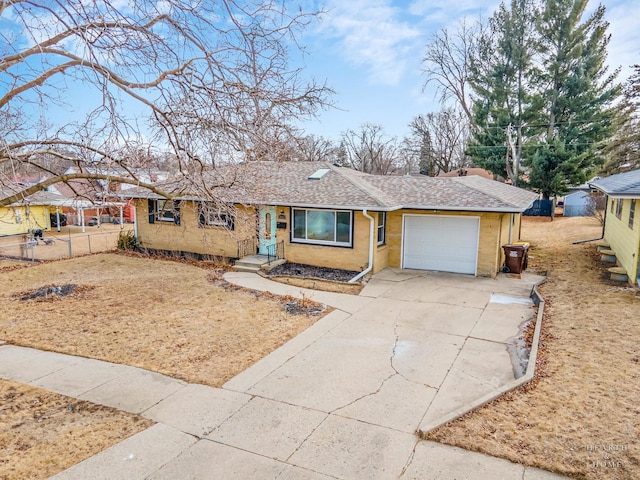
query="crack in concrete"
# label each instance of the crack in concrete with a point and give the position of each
(409, 460)
(393, 356)
(306, 439)
(384, 380)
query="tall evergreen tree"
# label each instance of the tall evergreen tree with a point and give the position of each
(623, 150)
(501, 77)
(427, 164)
(576, 93)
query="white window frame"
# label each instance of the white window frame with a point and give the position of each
(312, 241)
(161, 210)
(215, 216)
(382, 228)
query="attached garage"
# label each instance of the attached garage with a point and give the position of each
(440, 242)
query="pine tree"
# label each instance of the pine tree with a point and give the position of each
(427, 164)
(576, 94)
(623, 150)
(501, 77)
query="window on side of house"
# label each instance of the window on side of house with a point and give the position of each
(382, 225)
(164, 211)
(211, 215)
(632, 213)
(612, 204)
(619, 209)
(323, 227)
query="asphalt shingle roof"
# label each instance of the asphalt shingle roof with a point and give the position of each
(288, 183)
(37, 198)
(624, 184)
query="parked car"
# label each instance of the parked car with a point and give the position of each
(53, 217)
(93, 222)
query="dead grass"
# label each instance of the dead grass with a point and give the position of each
(160, 315)
(170, 317)
(42, 433)
(585, 396)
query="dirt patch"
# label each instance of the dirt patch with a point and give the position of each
(50, 292)
(43, 433)
(580, 415)
(315, 278)
(309, 271)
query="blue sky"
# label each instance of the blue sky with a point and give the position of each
(370, 52)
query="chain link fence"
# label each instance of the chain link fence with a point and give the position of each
(54, 245)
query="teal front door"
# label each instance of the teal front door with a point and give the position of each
(266, 229)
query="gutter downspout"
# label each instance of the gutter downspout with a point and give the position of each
(511, 217)
(371, 247)
(135, 221)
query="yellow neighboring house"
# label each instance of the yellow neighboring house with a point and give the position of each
(622, 220)
(319, 214)
(32, 213)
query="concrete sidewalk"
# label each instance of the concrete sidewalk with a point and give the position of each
(341, 400)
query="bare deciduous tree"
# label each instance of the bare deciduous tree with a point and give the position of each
(446, 133)
(316, 149)
(207, 81)
(367, 150)
(447, 63)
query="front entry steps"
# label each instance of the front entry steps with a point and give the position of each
(254, 263)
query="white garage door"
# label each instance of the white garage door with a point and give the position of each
(436, 242)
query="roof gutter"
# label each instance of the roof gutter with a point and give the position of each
(372, 227)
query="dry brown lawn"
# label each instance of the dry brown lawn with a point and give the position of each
(161, 315)
(171, 317)
(581, 415)
(42, 433)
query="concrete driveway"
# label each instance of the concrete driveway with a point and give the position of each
(415, 348)
(341, 400)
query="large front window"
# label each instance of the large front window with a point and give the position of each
(326, 227)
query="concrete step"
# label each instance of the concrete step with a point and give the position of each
(603, 246)
(246, 268)
(255, 263)
(273, 264)
(618, 274)
(608, 256)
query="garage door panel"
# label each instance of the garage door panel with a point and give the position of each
(448, 244)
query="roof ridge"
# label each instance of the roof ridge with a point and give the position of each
(469, 183)
(368, 188)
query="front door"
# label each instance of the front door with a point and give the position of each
(266, 229)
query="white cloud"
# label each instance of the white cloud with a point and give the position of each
(442, 13)
(624, 48)
(370, 34)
